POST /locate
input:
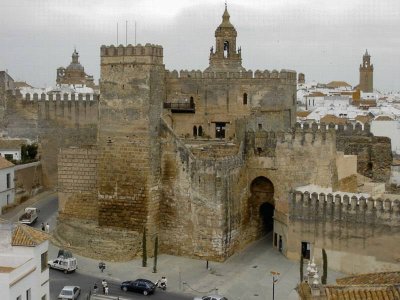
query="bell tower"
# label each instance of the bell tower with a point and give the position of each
(226, 56)
(366, 74)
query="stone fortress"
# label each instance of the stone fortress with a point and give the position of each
(209, 161)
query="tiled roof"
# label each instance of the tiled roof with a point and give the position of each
(362, 292)
(316, 94)
(327, 119)
(11, 144)
(335, 84)
(4, 163)
(27, 236)
(303, 114)
(6, 269)
(363, 119)
(383, 118)
(371, 278)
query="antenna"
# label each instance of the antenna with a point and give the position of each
(126, 33)
(117, 34)
(135, 33)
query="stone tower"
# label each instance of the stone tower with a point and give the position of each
(225, 57)
(132, 88)
(366, 74)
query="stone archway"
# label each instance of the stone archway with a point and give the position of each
(262, 204)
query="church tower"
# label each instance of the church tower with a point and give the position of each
(226, 56)
(366, 74)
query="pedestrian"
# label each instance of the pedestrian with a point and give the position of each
(106, 290)
(47, 228)
(95, 288)
(104, 284)
(43, 227)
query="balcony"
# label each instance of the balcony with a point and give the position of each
(180, 107)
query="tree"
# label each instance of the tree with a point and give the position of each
(144, 248)
(301, 267)
(155, 255)
(29, 152)
(324, 266)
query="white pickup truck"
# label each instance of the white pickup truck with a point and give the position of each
(30, 216)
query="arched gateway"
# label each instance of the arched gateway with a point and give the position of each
(262, 204)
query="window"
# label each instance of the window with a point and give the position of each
(8, 178)
(200, 132)
(8, 156)
(8, 199)
(194, 131)
(19, 297)
(226, 49)
(245, 99)
(220, 130)
(275, 240)
(28, 294)
(43, 260)
(44, 297)
(259, 126)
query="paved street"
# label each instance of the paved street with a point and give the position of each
(244, 276)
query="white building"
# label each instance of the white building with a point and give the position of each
(7, 188)
(11, 148)
(24, 274)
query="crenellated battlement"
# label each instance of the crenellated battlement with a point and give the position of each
(340, 205)
(348, 129)
(130, 50)
(266, 74)
(35, 96)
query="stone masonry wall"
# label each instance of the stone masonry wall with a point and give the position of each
(77, 183)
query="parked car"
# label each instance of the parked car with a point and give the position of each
(211, 297)
(70, 292)
(143, 286)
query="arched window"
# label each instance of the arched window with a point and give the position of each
(65, 97)
(35, 96)
(245, 99)
(50, 97)
(80, 97)
(58, 97)
(226, 49)
(191, 102)
(200, 132)
(28, 96)
(194, 131)
(43, 97)
(87, 97)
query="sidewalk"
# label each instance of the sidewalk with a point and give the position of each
(244, 276)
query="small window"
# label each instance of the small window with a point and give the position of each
(245, 99)
(8, 180)
(200, 132)
(259, 126)
(8, 157)
(28, 294)
(43, 261)
(194, 131)
(275, 240)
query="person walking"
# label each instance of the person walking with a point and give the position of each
(95, 288)
(106, 290)
(47, 228)
(43, 227)
(104, 284)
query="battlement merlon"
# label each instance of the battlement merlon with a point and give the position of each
(345, 201)
(286, 75)
(147, 54)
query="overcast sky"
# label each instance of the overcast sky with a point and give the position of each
(323, 39)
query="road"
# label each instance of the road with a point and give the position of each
(58, 280)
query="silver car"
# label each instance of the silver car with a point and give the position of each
(70, 292)
(211, 297)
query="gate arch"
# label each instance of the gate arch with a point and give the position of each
(262, 204)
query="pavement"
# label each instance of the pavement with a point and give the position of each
(244, 276)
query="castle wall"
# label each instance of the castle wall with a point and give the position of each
(353, 229)
(202, 201)
(219, 97)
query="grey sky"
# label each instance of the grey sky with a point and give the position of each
(323, 39)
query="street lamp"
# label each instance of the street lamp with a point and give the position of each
(275, 278)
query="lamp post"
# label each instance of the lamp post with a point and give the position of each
(275, 277)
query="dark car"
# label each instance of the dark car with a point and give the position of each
(143, 286)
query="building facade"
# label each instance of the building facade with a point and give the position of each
(7, 189)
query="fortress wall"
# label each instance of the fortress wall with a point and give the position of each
(77, 173)
(201, 202)
(353, 226)
(221, 99)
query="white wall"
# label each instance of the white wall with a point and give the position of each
(16, 153)
(7, 195)
(389, 129)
